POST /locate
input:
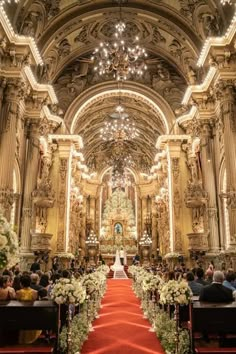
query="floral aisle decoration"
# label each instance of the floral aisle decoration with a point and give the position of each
(79, 333)
(165, 329)
(175, 292)
(68, 291)
(104, 268)
(152, 282)
(150, 285)
(8, 244)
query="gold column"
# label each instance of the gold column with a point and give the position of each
(30, 182)
(65, 159)
(210, 186)
(229, 124)
(8, 128)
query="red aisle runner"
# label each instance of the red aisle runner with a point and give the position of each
(121, 328)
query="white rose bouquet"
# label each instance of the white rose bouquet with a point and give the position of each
(175, 292)
(68, 291)
(90, 282)
(151, 282)
(8, 244)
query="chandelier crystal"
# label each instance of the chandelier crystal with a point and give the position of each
(119, 56)
(119, 179)
(145, 240)
(119, 129)
(92, 239)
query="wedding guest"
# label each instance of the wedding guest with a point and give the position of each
(229, 280)
(35, 282)
(194, 286)
(16, 283)
(27, 294)
(6, 290)
(216, 292)
(200, 277)
(35, 266)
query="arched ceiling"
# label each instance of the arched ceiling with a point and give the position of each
(67, 32)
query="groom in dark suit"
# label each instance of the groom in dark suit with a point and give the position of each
(216, 292)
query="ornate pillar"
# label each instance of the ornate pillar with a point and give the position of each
(65, 158)
(175, 187)
(83, 231)
(92, 211)
(229, 124)
(155, 243)
(30, 183)
(144, 212)
(210, 187)
(8, 127)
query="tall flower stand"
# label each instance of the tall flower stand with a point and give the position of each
(176, 318)
(69, 333)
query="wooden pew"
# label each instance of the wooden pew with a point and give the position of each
(19, 315)
(212, 320)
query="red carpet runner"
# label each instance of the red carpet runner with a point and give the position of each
(121, 328)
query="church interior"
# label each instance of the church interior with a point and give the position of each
(93, 137)
(118, 132)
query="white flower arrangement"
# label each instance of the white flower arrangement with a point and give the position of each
(151, 282)
(104, 268)
(8, 244)
(90, 282)
(172, 255)
(94, 282)
(66, 256)
(68, 291)
(175, 292)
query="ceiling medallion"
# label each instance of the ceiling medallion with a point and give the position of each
(120, 56)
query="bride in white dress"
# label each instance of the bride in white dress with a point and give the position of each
(117, 265)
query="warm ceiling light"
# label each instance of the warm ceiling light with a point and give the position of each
(119, 129)
(223, 2)
(120, 57)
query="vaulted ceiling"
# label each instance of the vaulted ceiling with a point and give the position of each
(172, 32)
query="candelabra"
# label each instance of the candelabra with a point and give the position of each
(92, 246)
(145, 243)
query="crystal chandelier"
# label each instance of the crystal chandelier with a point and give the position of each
(119, 179)
(121, 57)
(118, 130)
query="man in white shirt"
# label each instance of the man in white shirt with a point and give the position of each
(122, 255)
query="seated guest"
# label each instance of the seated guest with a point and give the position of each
(194, 286)
(209, 274)
(200, 277)
(216, 292)
(27, 294)
(35, 282)
(16, 283)
(229, 280)
(6, 290)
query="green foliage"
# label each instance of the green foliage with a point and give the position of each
(79, 333)
(166, 332)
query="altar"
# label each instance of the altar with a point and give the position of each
(118, 226)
